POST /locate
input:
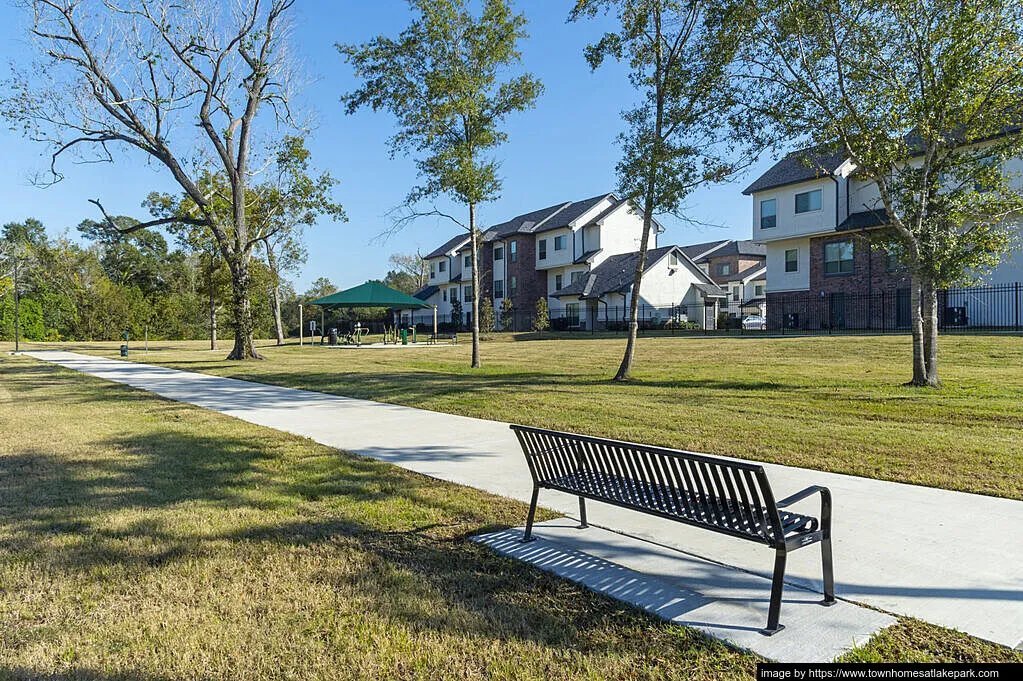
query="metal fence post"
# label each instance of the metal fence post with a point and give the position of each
(1017, 306)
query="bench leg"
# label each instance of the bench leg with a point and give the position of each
(777, 584)
(582, 513)
(528, 534)
(829, 572)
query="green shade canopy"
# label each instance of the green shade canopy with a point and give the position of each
(370, 294)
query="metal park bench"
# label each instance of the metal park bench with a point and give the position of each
(721, 495)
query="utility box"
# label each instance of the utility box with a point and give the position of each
(124, 351)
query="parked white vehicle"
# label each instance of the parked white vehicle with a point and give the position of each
(754, 321)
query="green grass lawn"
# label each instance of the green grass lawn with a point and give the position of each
(143, 539)
(830, 403)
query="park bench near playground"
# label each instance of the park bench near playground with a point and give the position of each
(717, 494)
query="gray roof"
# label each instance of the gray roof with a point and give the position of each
(614, 275)
(752, 269)
(426, 292)
(696, 250)
(574, 211)
(744, 247)
(799, 166)
(523, 223)
(711, 290)
(864, 220)
(449, 245)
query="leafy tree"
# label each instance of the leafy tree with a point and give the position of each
(507, 314)
(18, 240)
(402, 281)
(486, 317)
(279, 209)
(679, 55)
(123, 75)
(414, 266)
(542, 317)
(923, 99)
(442, 80)
(456, 313)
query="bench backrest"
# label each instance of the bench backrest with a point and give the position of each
(732, 497)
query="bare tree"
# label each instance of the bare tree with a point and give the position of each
(412, 264)
(129, 73)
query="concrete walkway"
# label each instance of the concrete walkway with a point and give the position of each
(945, 557)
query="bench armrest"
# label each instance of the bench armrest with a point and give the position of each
(809, 491)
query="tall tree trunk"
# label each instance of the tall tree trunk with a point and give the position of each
(275, 292)
(244, 348)
(17, 307)
(473, 239)
(213, 305)
(630, 347)
(930, 333)
(916, 318)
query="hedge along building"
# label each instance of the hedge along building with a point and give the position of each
(542, 253)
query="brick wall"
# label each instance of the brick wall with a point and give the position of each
(737, 264)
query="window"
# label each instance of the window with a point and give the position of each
(768, 213)
(498, 253)
(838, 257)
(499, 288)
(442, 265)
(454, 295)
(808, 202)
(572, 312)
(513, 251)
(577, 275)
(724, 269)
(735, 294)
(433, 270)
(559, 242)
(758, 290)
(467, 261)
(557, 282)
(513, 286)
(444, 295)
(891, 261)
(673, 259)
(543, 249)
(467, 294)
(792, 260)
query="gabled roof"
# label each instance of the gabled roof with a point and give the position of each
(799, 166)
(711, 290)
(752, 271)
(524, 223)
(697, 251)
(452, 244)
(617, 274)
(734, 247)
(573, 211)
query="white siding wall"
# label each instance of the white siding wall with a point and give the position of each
(780, 280)
(789, 224)
(554, 258)
(621, 232)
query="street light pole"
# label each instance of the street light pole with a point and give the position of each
(301, 323)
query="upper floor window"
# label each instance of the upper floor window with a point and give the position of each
(792, 260)
(444, 295)
(513, 285)
(558, 280)
(724, 269)
(807, 202)
(758, 290)
(513, 251)
(838, 257)
(467, 260)
(735, 294)
(673, 259)
(542, 245)
(576, 276)
(467, 294)
(560, 242)
(498, 253)
(454, 294)
(499, 288)
(433, 270)
(442, 265)
(769, 213)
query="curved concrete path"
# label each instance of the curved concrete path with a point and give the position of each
(949, 558)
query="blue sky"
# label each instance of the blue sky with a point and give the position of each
(563, 150)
